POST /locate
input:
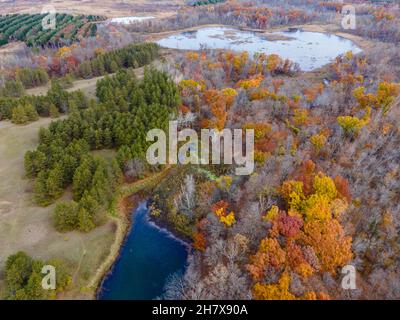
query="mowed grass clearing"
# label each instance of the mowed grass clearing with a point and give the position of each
(28, 227)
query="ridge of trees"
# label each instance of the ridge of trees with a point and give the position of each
(130, 56)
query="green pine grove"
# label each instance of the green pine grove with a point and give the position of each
(126, 110)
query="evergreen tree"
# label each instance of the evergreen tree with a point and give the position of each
(54, 183)
(40, 189)
(34, 161)
(23, 277)
(66, 216)
(85, 70)
(113, 67)
(19, 115)
(31, 112)
(83, 177)
(85, 223)
(17, 271)
(89, 203)
(12, 89)
(53, 111)
(34, 288)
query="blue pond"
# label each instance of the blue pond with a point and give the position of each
(148, 256)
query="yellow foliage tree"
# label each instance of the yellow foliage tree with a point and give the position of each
(279, 291)
(271, 214)
(352, 125)
(318, 141)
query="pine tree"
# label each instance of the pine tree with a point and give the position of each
(40, 189)
(107, 138)
(13, 89)
(85, 69)
(17, 271)
(83, 177)
(54, 183)
(19, 115)
(85, 223)
(31, 112)
(66, 216)
(113, 67)
(53, 111)
(89, 203)
(34, 162)
(34, 288)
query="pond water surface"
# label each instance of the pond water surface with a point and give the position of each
(148, 256)
(310, 50)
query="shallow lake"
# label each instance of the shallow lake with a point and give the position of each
(310, 50)
(148, 256)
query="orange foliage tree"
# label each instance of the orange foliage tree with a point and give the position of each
(306, 236)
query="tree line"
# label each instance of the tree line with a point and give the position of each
(131, 56)
(28, 108)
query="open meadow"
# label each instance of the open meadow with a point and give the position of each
(108, 8)
(25, 226)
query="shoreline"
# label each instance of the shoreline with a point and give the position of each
(127, 226)
(119, 212)
(139, 200)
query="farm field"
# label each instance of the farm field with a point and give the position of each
(109, 8)
(29, 29)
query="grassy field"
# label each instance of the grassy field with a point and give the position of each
(25, 226)
(109, 8)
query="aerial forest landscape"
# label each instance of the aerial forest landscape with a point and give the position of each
(200, 150)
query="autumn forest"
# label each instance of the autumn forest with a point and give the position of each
(317, 219)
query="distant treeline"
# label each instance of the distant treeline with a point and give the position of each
(127, 109)
(131, 56)
(24, 78)
(206, 2)
(29, 108)
(29, 28)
